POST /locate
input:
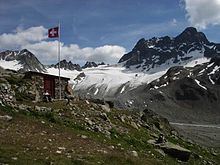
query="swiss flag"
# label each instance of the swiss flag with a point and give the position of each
(53, 32)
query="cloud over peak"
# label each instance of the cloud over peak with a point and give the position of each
(201, 13)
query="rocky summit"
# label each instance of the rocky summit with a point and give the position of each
(89, 64)
(67, 65)
(24, 58)
(165, 52)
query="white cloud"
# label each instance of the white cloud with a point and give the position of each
(34, 39)
(48, 52)
(22, 37)
(201, 13)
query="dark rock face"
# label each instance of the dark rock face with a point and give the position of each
(27, 59)
(80, 76)
(190, 35)
(89, 65)
(92, 64)
(67, 65)
(183, 94)
(216, 60)
(159, 122)
(152, 53)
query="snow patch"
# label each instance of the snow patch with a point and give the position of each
(130, 102)
(214, 70)
(13, 65)
(151, 46)
(190, 74)
(176, 73)
(201, 71)
(123, 89)
(210, 65)
(197, 61)
(210, 46)
(175, 78)
(164, 84)
(211, 80)
(198, 83)
(97, 90)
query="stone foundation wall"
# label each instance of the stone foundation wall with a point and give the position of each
(63, 83)
(38, 85)
(7, 95)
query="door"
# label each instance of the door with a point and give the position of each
(49, 85)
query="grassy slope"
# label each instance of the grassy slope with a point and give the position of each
(60, 137)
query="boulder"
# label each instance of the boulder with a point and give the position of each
(134, 125)
(104, 117)
(134, 153)
(106, 108)
(151, 118)
(6, 118)
(173, 150)
(176, 151)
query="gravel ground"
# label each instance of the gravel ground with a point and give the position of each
(204, 135)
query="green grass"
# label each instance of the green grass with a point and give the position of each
(73, 126)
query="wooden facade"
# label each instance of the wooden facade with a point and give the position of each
(45, 82)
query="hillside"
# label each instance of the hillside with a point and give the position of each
(182, 94)
(86, 132)
(187, 96)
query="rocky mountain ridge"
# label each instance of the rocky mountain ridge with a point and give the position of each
(27, 61)
(89, 64)
(165, 52)
(67, 65)
(25, 58)
(70, 66)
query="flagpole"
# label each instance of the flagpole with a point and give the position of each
(59, 59)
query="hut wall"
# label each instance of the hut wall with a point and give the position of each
(63, 83)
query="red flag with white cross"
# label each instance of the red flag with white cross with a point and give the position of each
(53, 32)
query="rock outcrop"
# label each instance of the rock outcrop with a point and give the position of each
(67, 65)
(89, 64)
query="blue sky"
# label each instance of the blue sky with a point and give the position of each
(100, 30)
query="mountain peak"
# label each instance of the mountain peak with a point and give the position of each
(152, 54)
(190, 30)
(25, 58)
(67, 65)
(90, 64)
(190, 34)
(25, 50)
